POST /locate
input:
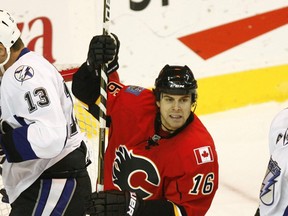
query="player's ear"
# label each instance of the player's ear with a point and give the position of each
(158, 103)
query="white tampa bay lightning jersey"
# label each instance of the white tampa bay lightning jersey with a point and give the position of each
(37, 103)
(274, 189)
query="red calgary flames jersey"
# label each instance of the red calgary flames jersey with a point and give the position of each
(182, 169)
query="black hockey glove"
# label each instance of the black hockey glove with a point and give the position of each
(103, 49)
(113, 203)
(5, 127)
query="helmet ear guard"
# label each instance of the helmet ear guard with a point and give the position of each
(9, 32)
(177, 80)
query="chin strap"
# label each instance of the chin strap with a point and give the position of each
(169, 130)
(193, 108)
(2, 69)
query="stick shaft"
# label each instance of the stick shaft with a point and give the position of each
(103, 130)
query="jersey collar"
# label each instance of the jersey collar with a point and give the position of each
(159, 133)
(23, 52)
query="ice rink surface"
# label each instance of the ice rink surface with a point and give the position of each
(241, 139)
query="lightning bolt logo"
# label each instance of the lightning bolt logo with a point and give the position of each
(269, 182)
(23, 73)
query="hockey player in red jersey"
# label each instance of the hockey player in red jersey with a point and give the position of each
(160, 159)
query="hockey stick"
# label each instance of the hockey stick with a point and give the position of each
(102, 111)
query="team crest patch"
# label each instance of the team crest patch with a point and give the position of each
(126, 169)
(136, 90)
(267, 192)
(204, 155)
(23, 73)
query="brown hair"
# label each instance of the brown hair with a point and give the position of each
(17, 45)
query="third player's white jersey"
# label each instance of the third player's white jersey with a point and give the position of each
(35, 100)
(274, 189)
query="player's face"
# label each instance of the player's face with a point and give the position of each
(2, 53)
(3, 57)
(174, 109)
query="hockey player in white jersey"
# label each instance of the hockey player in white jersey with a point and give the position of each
(274, 189)
(45, 168)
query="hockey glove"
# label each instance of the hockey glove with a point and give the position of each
(103, 49)
(113, 203)
(4, 128)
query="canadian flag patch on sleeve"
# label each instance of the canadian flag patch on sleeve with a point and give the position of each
(203, 155)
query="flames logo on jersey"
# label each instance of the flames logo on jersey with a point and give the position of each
(23, 73)
(126, 165)
(268, 185)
